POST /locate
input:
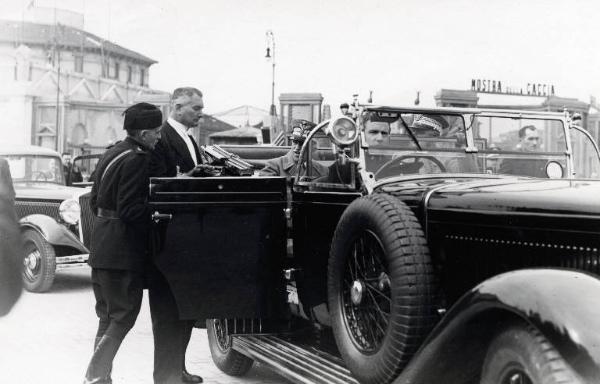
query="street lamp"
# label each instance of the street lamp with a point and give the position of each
(271, 55)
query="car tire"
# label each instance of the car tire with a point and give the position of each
(224, 356)
(40, 262)
(521, 354)
(393, 266)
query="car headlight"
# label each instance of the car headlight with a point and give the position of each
(70, 211)
(343, 131)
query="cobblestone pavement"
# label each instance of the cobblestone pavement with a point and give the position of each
(47, 338)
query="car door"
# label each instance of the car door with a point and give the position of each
(220, 242)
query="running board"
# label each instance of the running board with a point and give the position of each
(300, 364)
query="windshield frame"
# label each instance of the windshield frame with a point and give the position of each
(58, 180)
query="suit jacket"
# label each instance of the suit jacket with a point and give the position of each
(524, 167)
(172, 152)
(121, 243)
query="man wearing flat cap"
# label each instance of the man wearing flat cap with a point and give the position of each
(119, 243)
(287, 165)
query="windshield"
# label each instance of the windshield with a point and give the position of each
(399, 143)
(32, 168)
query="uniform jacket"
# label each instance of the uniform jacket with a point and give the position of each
(285, 166)
(121, 243)
(170, 153)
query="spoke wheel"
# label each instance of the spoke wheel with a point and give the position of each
(381, 287)
(225, 357)
(520, 354)
(366, 293)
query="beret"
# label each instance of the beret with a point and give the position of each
(142, 116)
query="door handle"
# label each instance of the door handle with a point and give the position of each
(157, 216)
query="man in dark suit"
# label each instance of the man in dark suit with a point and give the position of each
(176, 154)
(119, 244)
(529, 141)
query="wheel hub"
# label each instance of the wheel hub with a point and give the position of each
(357, 292)
(31, 260)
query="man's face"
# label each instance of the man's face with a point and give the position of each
(66, 159)
(151, 136)
(531, 140)
(377, 133)
(188, 110)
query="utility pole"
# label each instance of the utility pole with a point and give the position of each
(271, 55)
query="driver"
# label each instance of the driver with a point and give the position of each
(377, 133)
(287, 165)
(529, 141)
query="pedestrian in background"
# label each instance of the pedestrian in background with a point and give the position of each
(119, 253)
(176, 154)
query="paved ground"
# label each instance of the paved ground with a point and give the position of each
(48, 338)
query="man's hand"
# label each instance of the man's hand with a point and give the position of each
(204, 170)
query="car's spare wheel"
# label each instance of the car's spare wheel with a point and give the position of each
(381, 287)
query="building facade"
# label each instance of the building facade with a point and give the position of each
(65, 88)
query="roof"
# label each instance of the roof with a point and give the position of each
(243, 115)
(28, 33)
(26, 150)
(238, 132)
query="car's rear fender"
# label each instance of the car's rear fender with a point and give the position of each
(563, 305)
(55, 233)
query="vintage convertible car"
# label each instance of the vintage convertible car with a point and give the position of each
(54, 228)
(416, 254)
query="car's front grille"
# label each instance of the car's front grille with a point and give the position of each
(30, 207)
(87, 218)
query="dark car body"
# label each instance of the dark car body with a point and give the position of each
(51, 242)
(449, 252)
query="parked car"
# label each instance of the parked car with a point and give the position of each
(55, 219)
(422, 259)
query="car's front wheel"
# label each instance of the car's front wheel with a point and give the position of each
(39, 263)
(521, 354)
(224, 356)
(381, 287)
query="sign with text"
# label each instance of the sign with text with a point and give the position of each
(496, 86)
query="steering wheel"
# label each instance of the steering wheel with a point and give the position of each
(39, 176)
(399, 166)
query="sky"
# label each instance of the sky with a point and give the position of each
(394, 48)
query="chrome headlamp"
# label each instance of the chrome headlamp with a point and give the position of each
(70, 211)
(343, 131)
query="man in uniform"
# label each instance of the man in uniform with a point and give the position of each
(286, 165)
(176, 154)
(119, 243)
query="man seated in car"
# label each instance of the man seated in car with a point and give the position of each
(287, 165)
(529, 141)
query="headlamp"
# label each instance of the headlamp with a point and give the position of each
(70, 211)
(343, 131)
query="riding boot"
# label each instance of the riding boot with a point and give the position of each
(99, 368)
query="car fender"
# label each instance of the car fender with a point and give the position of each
(54, 233)
(564, 305)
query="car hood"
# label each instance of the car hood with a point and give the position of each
(500, 194)
(574, 197)
(47, 191)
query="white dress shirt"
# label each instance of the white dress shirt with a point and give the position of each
(182, 131)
